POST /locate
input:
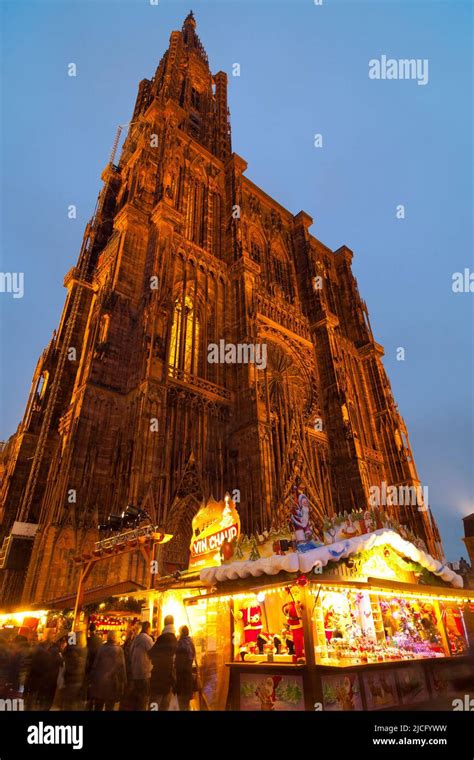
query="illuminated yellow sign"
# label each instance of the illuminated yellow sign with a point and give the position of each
(216, 530)
(376, 567)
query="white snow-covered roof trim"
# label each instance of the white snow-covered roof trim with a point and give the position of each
(304, 562)
(383, 537)
(246, 568)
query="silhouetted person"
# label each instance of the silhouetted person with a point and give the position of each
(162, 657)
(184, 658)
(75, 656)
(126, 703)
(140, 667)
(94, 643)
(108, 676)
(42, 680)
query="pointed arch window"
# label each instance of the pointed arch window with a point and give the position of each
(63, 564)
(184, 342)
(256, 252)
(195, 99)
(331, 297)
(282, 274)
(42, 384)
(104, 328)
(195, 126)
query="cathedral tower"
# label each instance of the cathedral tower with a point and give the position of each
(185, 253)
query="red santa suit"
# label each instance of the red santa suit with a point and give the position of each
(251, 617)
(291, 611)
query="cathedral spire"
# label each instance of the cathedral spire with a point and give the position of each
(190, 38)
(190, 20)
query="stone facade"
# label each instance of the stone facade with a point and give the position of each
(184, 251)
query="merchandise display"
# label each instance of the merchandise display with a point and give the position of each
(354, 627)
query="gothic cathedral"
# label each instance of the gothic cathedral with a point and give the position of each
(184, 253)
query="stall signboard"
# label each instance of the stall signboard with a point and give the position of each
(216, 530)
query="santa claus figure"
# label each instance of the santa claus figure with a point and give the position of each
(300, 518)
(292, 611)
(300, 522)
(266, 692)
(251, 617)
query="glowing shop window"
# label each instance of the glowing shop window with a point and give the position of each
(412, 626)
(454, 627)
(345, 629)
(268, 626)
(353, 627)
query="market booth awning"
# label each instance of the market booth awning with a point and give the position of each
(97, 594)
(322, 555)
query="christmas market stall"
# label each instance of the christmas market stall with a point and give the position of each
(282, 621)
(116, 615)
(31, 624)
(363, 618)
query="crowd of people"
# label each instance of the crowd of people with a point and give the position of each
(75, 673)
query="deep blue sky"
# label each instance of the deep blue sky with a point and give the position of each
(304, 69)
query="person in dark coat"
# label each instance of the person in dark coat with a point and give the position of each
(162, 657)
(108, 676)
(127, 701)
(184, 658)
(41, 681)
(26, 648)
(94, 643)
(75, 656)
(14, 666)
(141, 667)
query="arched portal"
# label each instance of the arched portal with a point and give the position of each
(175, 554)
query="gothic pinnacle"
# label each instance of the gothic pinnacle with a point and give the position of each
(190, 19)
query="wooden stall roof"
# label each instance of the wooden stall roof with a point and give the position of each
(95, 595)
